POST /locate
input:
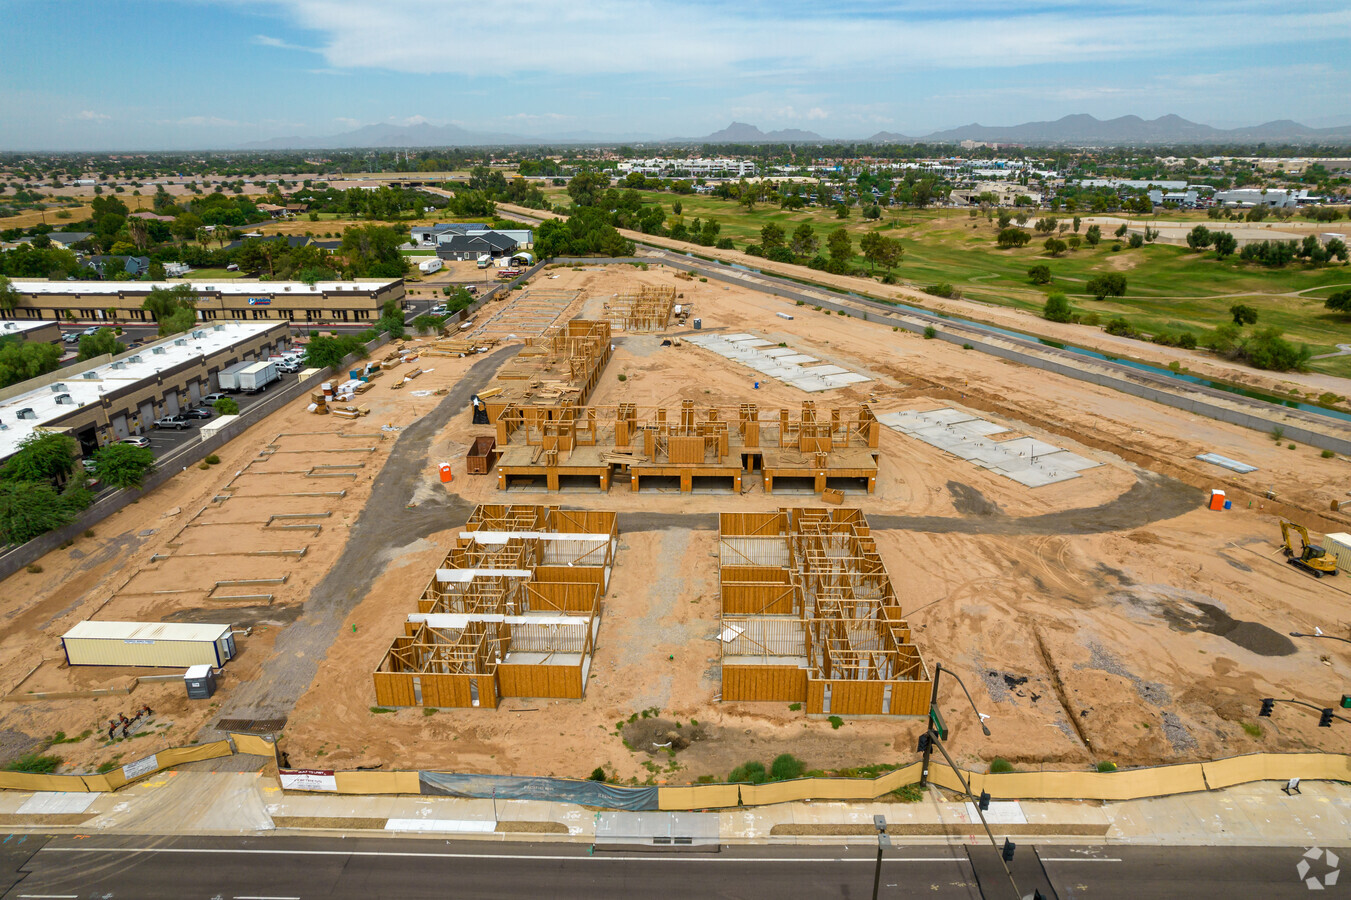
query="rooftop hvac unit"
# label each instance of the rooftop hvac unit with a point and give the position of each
(118, 365)
(181, 342)
(65, 400)
(160, 350)
(26, 413)
(11, 326)
(91, 375)
(199, 333)
(58, 387)
(135, 359)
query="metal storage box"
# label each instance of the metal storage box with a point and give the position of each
(201, 682)
(1339, 545)
(169, 644)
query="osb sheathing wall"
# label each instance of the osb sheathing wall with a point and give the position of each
(397, 689)
(787, 684)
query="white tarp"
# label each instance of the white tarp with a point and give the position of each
(464, 576)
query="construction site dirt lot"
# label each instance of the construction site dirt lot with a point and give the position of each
(1107, 617)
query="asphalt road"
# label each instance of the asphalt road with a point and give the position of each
(299, 868)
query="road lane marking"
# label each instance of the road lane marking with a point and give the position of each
(57, 897)
(417, 855)
(255, 897)
(1047, 859)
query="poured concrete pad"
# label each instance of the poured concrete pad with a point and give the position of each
(56, 803)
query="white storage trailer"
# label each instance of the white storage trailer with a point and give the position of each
(257, 376)
(174, 645)
(428, 266)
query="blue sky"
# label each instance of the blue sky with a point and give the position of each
(171, 74)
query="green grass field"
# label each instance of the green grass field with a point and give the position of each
(1169, 287)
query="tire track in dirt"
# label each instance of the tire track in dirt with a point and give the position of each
(385, 525)
(1153, 498)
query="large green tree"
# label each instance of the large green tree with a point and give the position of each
(43, 456)
(122, 465)
(9, 297)
(175, 308)
(96, 344)
(1104, 286)
(22, 360)
(28, 509)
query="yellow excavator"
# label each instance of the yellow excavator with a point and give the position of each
(1309, 557)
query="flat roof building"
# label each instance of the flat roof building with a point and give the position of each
(110, 398)
(31, 330)
(230, 299)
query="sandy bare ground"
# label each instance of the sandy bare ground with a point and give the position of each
(1146, 627)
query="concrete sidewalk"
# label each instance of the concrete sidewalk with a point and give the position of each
(204, 802)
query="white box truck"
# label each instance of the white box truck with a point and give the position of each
(428, 266)
(485, 261)
(228, 378)
(257, 376)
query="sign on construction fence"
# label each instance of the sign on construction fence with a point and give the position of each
(133, 770)
(308, 780)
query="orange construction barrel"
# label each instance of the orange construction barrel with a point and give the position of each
(446, 476)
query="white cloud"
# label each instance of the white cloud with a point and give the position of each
(88, 115)
(266, 40)
(702, 40)
(208, 122)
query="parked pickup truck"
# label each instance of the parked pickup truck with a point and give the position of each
(179, 422)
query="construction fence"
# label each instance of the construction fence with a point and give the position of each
(1131, 784)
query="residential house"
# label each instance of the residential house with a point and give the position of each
(108, 266)
(67, 239)
(472, 246)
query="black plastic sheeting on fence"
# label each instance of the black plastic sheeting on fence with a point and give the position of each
(520, 787)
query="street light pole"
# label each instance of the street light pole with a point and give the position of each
(1331, 637)
(883, 843)
(933, 718)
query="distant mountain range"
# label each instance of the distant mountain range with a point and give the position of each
(1076, 130)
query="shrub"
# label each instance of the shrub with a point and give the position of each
(1327, 454)
(36, 763)
(203, 466)
(930, 332)
(943, 289)
(211, 459)
(1290, 446)
(89, 532)
(105, 768)
(835, 722)
(1251, 730)
(597, 774)
(33, 568)
(1278, 434)
(785, 767)
(380, 710)
(623, 377)
(1000, 766)
(967, 347)
(752, 772)
(1106, 765)
(794, 707)
(1057, 308)
(430, 711)
(226, 406)
(1119, 327)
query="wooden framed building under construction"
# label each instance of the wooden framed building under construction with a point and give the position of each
(689, 448)
(809, 615)
(558, 369)
(648, 308)
(513, 611)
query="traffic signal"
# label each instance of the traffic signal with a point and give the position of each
(1267, 706)
(1325, 720)
(984, 801)
(1009, 847)
(924, 742)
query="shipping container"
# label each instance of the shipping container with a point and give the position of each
(176, 645)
